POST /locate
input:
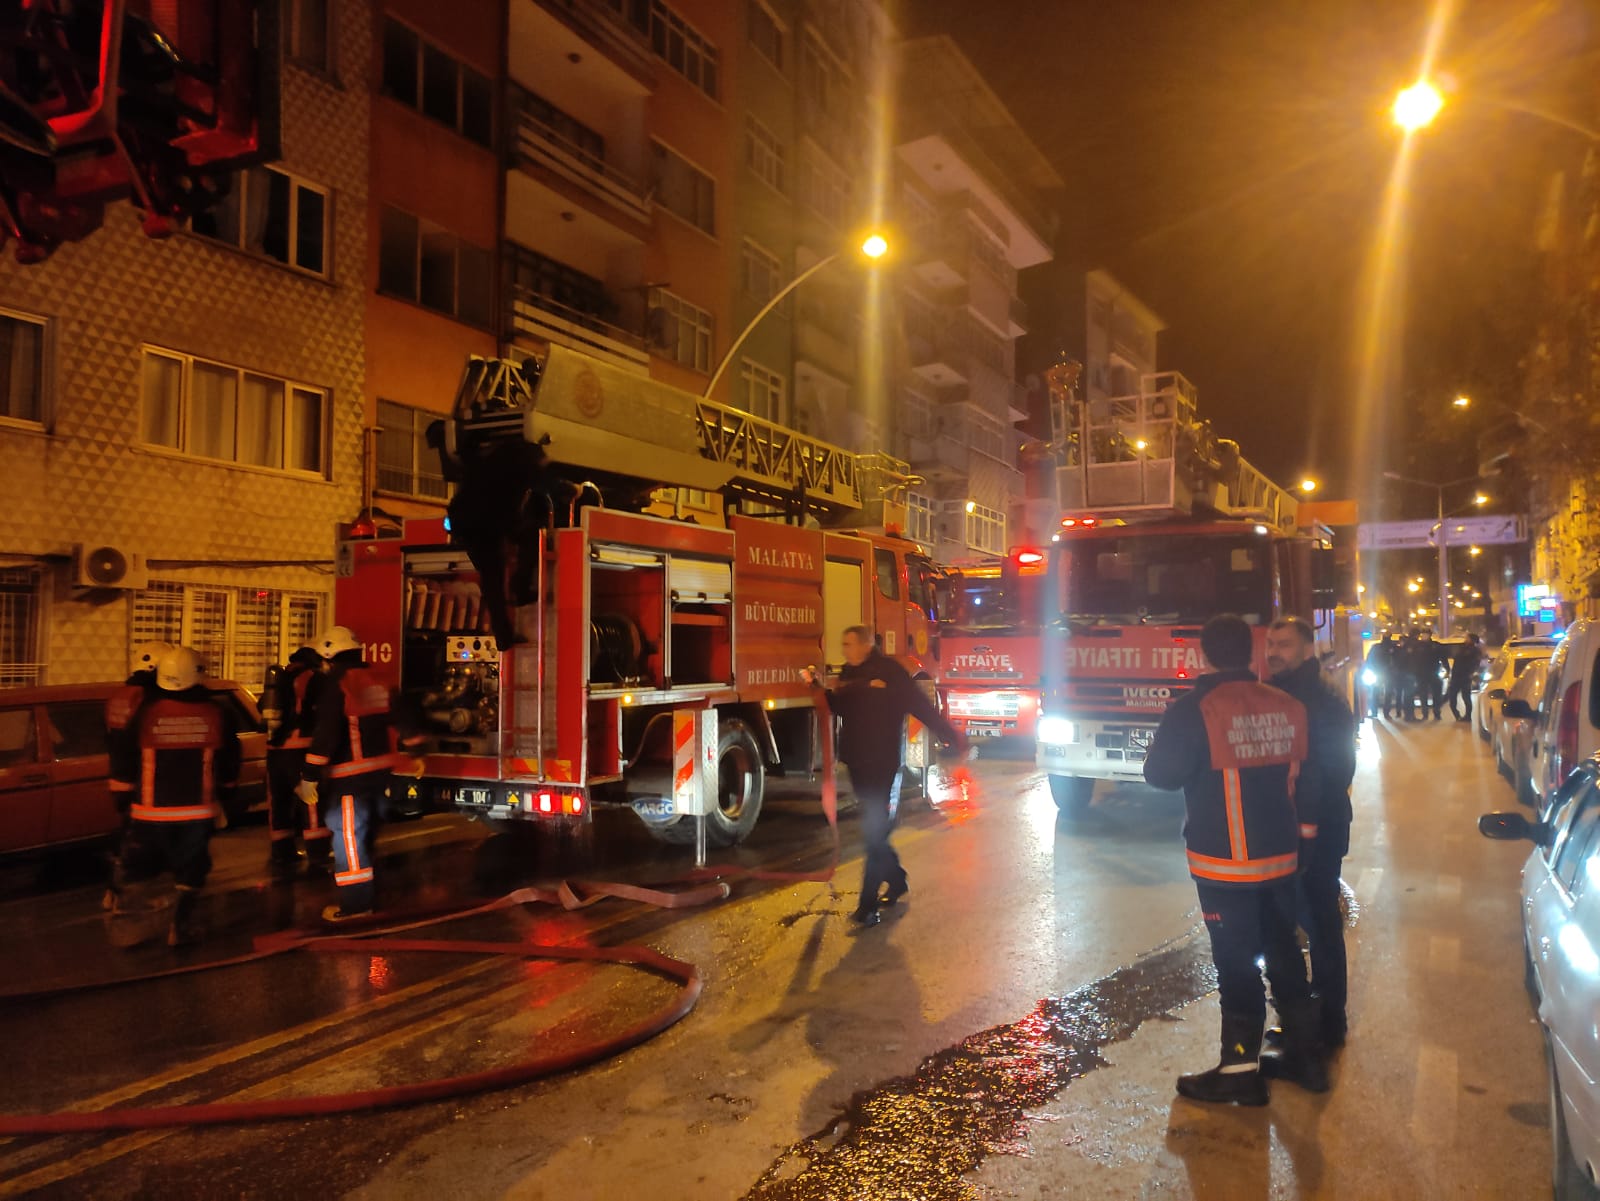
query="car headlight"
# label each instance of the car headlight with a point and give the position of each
(1369, 677)
(1057, 730)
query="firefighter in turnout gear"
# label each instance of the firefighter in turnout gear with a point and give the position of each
(180, 762)
(290, 712)
(354, 748)
(120, 708)
(1234, 745)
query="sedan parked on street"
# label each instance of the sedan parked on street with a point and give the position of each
(1509, 662)
(1561, 933)
(55, 771)
(1514, 735)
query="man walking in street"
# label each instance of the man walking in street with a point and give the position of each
(1381, 665)
(181, 762)
(1463, 674)
(873, 698)
(1234, 745)
(1322, 803)
(353, 751)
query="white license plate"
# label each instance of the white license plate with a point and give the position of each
(986, 732)
(475, 796)
(659, 807)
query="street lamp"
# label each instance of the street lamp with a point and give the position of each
(1308, 485)
(1416, 106)
(1439, 530)
(874, 247)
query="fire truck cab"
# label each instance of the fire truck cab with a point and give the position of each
(664, 631)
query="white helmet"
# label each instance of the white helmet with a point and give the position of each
(335, 640)
(179, 669)
(146, 655)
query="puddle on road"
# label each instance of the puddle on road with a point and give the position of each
(917, 1136)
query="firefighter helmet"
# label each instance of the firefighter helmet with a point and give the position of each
(179, 669)
(146, 655)
(335, 640)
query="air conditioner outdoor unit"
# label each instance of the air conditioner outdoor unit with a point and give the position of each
(109, 567)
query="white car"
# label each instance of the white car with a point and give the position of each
(1561, 933)
(1509, 662)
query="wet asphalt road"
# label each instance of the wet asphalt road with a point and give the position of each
(1011, 1032)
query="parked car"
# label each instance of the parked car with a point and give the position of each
(1570, 731)
(1561, 938)
(1529, 686)
(55, 771)
(1508, 663)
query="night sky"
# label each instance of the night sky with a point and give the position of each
(1227, 159)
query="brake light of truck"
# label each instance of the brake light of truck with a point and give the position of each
(1068, 523)
(1029, 558)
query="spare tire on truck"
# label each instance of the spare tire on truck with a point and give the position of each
(741, 783)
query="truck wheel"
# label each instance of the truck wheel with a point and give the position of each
(1073, 794)
(741, 783)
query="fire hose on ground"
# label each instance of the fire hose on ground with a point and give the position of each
(704, 885)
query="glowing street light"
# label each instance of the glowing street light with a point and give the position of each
(1417, 106)
(1480, 500)
(1413, 586)
(1475, 551)
(1308, 485)
(1462, 402)
(875, 247)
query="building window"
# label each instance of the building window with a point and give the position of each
(21, 602)
(685, 330)
(919, 518)
(986, 529)
(818, 85)
(825, 189)
(916, 417)
(274, 214)
(683, 189)
(214, 411)
(766, 33)
(308, 33)
(765, 392)
(683, 48)
(406, 463)
(22, 348)
(762, 273)
(437, 84)
(427, 265)
(763, 153)
(986, 435)
(238, 631)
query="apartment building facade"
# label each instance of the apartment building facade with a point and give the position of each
(971, 197)
(183, 418)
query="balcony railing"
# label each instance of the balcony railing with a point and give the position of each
(603, 25)
(536, 315)
(540, 145)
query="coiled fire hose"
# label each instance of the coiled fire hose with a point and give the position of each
(705, 885)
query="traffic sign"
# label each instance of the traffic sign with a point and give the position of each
(1497, 530)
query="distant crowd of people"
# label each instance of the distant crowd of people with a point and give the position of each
(1412, 677)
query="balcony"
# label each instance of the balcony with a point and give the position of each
(598, 23)
(818, 339)
(942, 254)
(549, 140)
(940, 352)
(541, 318)
(1018, 317)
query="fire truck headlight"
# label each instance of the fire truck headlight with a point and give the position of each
(1057, 730)
(1369, 677)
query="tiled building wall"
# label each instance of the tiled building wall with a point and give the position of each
(86, 479)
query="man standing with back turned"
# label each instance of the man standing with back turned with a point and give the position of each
(1322, 801)
(873, 698)
(1234, 745)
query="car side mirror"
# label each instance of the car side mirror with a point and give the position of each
(1496, 694)
(1510, 827)
(1516, 707)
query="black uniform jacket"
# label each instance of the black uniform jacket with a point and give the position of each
(181, 757)
(354, 734)
(1322, 791)
(1234, 745)
(873, 699)
(296, 692)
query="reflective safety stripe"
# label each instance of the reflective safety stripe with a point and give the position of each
(360, 876)
(295, 742)
(172, 813)
(360, 767)
(355, 740)
(319, 833)
(316, 760)
(1246, 872)
(1307, 830)
(123, 786)
(1235, 805)
(280, 835)
(352, 846)
(1234, 1069)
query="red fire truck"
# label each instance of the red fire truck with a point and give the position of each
(1165, 526)
(991, 644)
(655, 606)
